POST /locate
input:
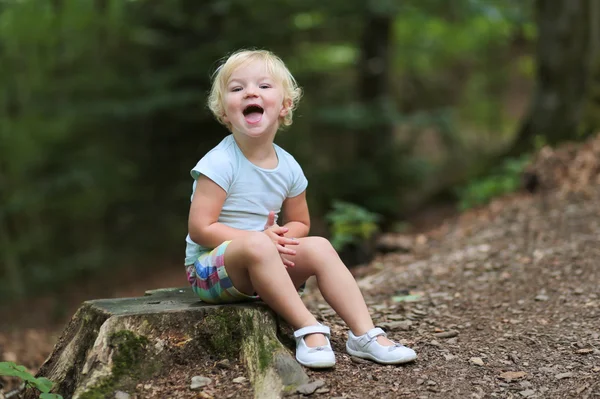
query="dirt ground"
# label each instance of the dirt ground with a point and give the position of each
(500, 302)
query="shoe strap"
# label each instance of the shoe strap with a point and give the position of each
(316, 329)
(374, 333)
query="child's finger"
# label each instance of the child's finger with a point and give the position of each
(288, 241)
(287, 263)
(270, 220)
(279, 230)
(285, 250)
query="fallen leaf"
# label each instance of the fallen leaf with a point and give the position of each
(512, 375)
(562, 376)
(406, 298)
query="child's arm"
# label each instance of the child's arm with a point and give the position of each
(296, 216)
(203, 227)
(206, 206)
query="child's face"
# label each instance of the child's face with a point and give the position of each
(254, 100)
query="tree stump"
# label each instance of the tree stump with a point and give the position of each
(113, 344)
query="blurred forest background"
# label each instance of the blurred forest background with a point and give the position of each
(408, 104)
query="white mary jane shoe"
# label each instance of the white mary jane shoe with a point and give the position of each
(367, 347)
(317, 357)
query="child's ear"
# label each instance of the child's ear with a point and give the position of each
(285, 108)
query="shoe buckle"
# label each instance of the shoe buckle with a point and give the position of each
(374, 333)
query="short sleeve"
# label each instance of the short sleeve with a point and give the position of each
(299, 181)
(217, 166)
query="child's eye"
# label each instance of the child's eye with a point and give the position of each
(265, 86)
(236, 88)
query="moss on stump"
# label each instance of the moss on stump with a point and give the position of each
(113, 344)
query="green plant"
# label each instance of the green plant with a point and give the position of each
(42, 384)
(504, 180)
(350, 224)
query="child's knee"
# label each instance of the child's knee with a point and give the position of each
(257, 246)
(321, 246)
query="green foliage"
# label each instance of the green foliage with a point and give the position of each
(102, 113)
(504, 180)
(42, 384)
(350, 224)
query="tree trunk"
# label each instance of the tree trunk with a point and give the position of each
(373, 83)
(563, 58)
(372, 169)
(115, 344)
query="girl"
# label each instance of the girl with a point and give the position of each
(235, 249)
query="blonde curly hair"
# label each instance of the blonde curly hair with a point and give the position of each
(275, 66)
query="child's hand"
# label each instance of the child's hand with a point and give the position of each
(276, 233)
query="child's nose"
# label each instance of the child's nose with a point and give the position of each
(251, 91)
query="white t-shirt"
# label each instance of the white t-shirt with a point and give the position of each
(252, 191)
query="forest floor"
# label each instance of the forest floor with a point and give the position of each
(499, 302)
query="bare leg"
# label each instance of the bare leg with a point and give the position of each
(254, 265)
(316, 257)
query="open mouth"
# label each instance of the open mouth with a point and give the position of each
(253, 113)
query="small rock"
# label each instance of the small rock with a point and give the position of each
(239, 380)
(542, 298)
(525, 384)
(449, 356)
(435, 343)
(477, 361)
(527, 393)
(199, 382)
(446, 334)
(585, 351)
(581, 389)
(403, 325)
(121, 395)
(562, 376)
(322, 390)
(431, 383)
(548, 370)
(310, 388)
(224, 364)
(395, 317)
